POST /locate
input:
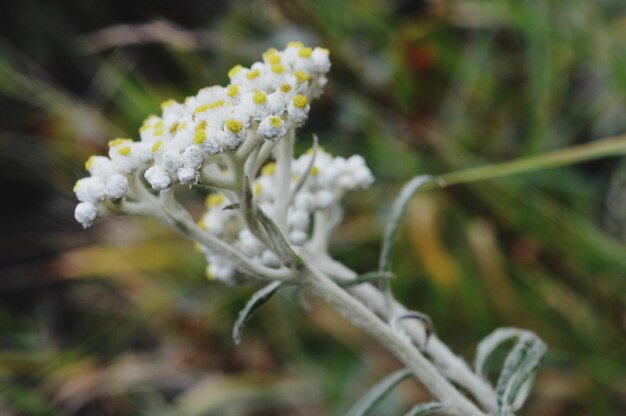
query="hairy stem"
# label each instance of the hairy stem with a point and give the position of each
(452, 366)
(362, 317)
(178, 218)
(284, 155)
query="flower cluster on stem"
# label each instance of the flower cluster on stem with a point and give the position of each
(266, 208)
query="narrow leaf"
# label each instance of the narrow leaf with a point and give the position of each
(519, 370)
(489, 344)
(366, 278)
(281, 247)
(231, 207)
(256, 301)
(307, 171)
(376, 393)
(397, 210)
(423, 409)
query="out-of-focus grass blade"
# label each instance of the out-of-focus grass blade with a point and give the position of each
(256, 301)
(423, 409)
(378, 392)
(25, 402)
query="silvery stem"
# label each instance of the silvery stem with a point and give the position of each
(359, 315)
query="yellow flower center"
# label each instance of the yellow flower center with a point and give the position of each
(214, 200)
(252, 74)
(199, 137)
(232, 90)
(89, 162)
(167, 103)
(119, 141)
(301, 76)
(277, 68)
(275, 121)
(300, 101)
(305, 52)
(233, 126)
(259, 97)
(269, 169)
(234, 70)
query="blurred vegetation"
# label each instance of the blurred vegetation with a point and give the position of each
(119, 319)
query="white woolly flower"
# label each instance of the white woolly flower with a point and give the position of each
(172, 161)
(298, 109)
(116, 186)
(192, 156)
(90, 189)
(100, 166)
(232, 135)
(187, 175)
(86, 213)
(158, 178)
(271, 127)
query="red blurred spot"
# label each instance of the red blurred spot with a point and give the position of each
(419, 58)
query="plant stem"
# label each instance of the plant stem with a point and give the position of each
(612, 146)
(284, 155)
(452, 366)
(401, 346)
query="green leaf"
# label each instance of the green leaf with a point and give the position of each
(256, 301)
(397, 210)
(518, 373)
(489, 344)
(280, 246)
(376, 393)
(426, 409)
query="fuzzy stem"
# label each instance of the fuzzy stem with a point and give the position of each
(178, 218)
(452, 366)
(284, 157)
(362, 317)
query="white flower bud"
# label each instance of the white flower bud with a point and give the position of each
(158, 178)
(172, 160)
(186, 175)
(298, 237)
(193, 157)
(270, 259)
(100, 166)
(304, 201)
(324, 199)
(117, 186)
(86, 213)
(320, 60)
(90, 189)
(272, 127)
(298, 219)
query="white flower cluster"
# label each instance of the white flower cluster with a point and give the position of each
(261, 103)
(327, 182)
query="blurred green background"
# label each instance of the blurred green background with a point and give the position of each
(120, 320)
